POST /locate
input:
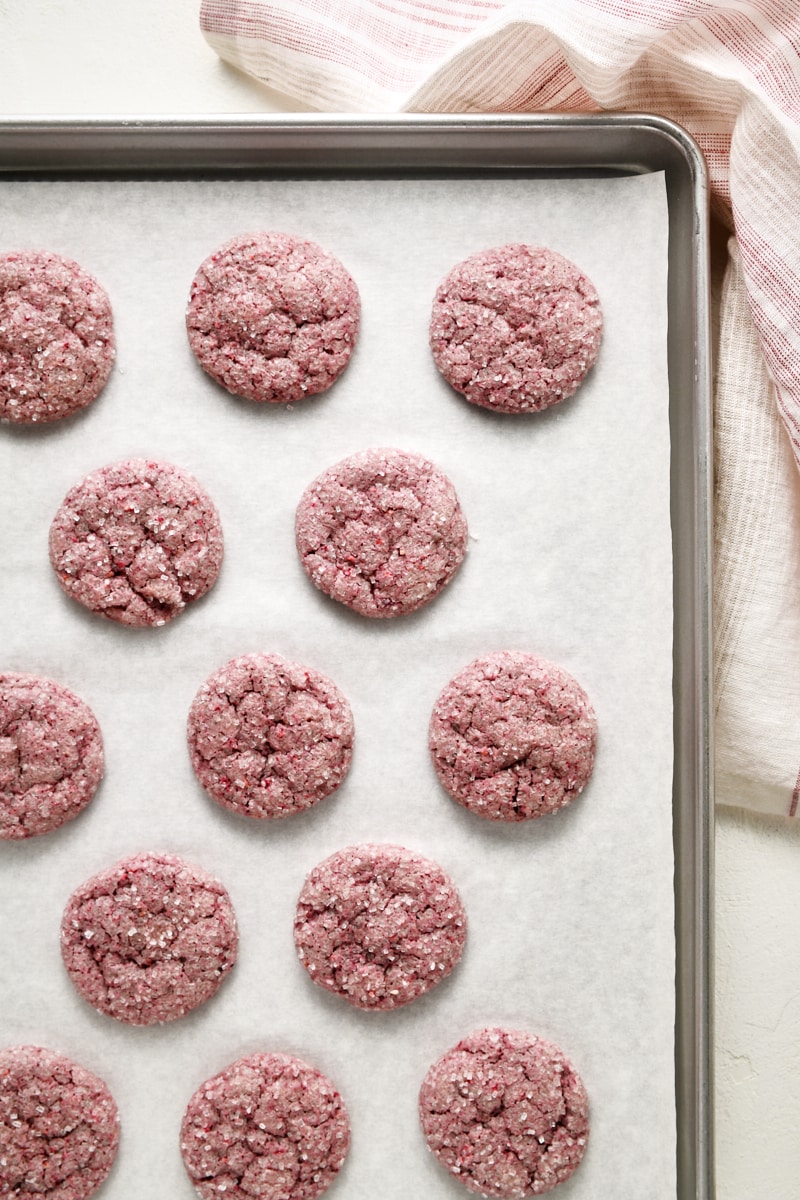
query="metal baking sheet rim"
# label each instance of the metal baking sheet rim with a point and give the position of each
(547, 143)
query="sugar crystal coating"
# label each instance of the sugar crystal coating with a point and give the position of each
(272, 317)
(506, 1113)
(149, 939)
(379, 925)
(59, 1126)
(51, 755)
(56, 337)
(515, 328)
(136, 542)
(268, 1127)
(381, 531)
(268, 737)
(513, 736)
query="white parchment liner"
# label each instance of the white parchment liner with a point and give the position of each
(571, 918)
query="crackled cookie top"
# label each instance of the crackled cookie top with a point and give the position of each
(59, 1126)
(272, 317)
(51, 755)
(515, 328)
(136, 542)
(506, 1113)
(381, 531)
(268, 1127)
(149, 939)
(379, 925)
(513, 736)
(56, 337)
(268, 737)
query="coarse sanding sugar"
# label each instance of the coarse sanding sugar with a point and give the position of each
(272, 317)
(268, 1127)
(149, 939)
(51, 755)
(59, 1126)
(381, 531)
(513, 736)
(56, 337)
(379, 925)
(136, 542)
(268, 737)
(515, 328)
(506, 1113)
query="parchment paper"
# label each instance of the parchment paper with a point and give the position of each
(571, 917)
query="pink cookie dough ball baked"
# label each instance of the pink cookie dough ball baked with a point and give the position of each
(505, 1113)
(515, 328)
(513, 736)
(149, 939)
(56, 337)
(136, 542)
(381, 531)
(268, 1127)
(272, 317)
(379, 925)
(268, 737)
(59, 1126)
(51, 755)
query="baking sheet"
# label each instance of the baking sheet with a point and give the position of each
(571, 917)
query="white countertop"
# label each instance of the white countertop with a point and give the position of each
(107, 57)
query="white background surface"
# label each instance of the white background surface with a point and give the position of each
(110, 56)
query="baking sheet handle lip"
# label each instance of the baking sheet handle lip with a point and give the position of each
(49, 142)
(691, 431)
(345, 122)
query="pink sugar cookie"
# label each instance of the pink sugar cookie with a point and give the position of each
(149, 939)
(268, 737)
(268, 1127)
(381, 531)
(379, 925)
(59, 1126)
(51, 755)
(515, 328)
(56, 337)
(505, 1113)
(136, 542)
(272, 317)
(513, 736)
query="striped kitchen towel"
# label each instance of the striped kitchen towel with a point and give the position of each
(729, 72)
